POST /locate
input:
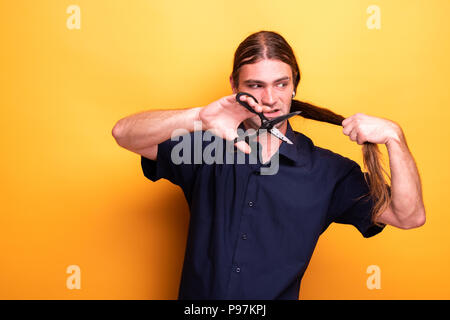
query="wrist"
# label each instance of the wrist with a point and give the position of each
(194, 114)
(397, 137)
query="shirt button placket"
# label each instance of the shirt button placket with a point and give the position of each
(243, 248)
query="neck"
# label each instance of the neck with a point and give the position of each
(270, 144)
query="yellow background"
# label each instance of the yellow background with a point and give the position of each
(71, 196)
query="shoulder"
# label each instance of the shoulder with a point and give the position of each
(324, 157)
(331, 157)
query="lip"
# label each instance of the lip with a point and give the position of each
(272, 114)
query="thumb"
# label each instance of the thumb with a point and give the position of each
(243, 146)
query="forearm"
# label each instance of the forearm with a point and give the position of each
(406, 190)
(150, 128)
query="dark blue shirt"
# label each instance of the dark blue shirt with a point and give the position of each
(251, 236)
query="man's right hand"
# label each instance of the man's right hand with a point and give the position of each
(143, 131)
(223, 117)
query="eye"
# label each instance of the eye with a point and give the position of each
(284, 84)
(252, 86)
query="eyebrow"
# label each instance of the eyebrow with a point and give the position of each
(262, 82)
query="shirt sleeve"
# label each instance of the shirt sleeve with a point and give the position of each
(170, 167)
(352, 204)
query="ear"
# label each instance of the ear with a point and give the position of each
(232, 85)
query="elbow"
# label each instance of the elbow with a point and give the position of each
(117, 133)
(420, 221)
(417, 220)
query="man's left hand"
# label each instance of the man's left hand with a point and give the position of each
(363, 128)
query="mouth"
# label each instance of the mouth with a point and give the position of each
(273, 114)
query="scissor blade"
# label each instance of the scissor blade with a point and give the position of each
(277, 133)
(283, 117)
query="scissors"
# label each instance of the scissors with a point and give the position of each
(265, 123)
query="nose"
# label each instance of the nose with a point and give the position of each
(268, 97)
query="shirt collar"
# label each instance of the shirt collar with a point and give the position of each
(297, 152)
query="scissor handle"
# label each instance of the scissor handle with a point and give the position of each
(247, 106)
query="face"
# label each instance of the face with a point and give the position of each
(269, 81)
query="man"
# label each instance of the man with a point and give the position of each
(251, 236)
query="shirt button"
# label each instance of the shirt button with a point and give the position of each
(238, 269)
(250, 203)
(244, 236)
